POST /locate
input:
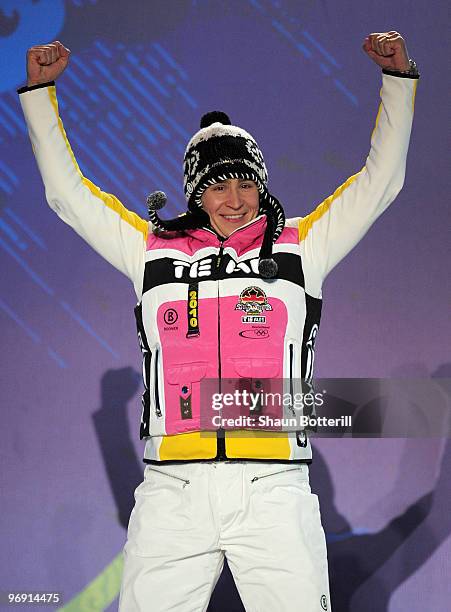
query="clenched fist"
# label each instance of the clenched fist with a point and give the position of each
(388, 50)
(46, 62)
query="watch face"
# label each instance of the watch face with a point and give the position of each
(413, 68)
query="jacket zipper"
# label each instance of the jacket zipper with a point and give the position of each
(273, 474)
(220, 439)
(184, 480)
(156, 394)
(220, 434)
(290, 348)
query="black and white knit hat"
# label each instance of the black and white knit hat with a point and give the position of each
(217, 152)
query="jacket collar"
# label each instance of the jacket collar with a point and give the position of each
(242, 239)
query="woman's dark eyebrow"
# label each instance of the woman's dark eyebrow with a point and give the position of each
(240, 180)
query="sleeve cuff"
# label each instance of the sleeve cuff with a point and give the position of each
(403, 75)
(38, 86)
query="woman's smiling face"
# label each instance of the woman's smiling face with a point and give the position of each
(230, 204)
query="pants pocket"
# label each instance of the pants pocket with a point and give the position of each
(163, 503)
(270, 479)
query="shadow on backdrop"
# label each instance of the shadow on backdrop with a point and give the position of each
(382, 561)
(124, 469)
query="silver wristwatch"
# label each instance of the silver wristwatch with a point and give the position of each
(413, 70)
(411, 73)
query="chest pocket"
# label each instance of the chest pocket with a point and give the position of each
(261, 378)
(184, 389)
(257, 367)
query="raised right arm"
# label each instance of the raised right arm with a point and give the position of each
(116, 233)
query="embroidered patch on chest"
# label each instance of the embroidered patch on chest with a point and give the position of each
(253, 302)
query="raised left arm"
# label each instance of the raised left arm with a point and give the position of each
(339, 222)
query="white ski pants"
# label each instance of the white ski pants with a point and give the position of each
(261, 516)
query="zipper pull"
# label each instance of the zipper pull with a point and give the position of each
(255, 478)
(221, 250)
(184, 480)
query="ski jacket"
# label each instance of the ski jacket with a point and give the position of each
(203, 311)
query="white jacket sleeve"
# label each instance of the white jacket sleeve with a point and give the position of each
(338, 223)
(116, 233)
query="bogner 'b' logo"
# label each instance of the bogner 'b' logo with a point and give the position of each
(253, 302)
